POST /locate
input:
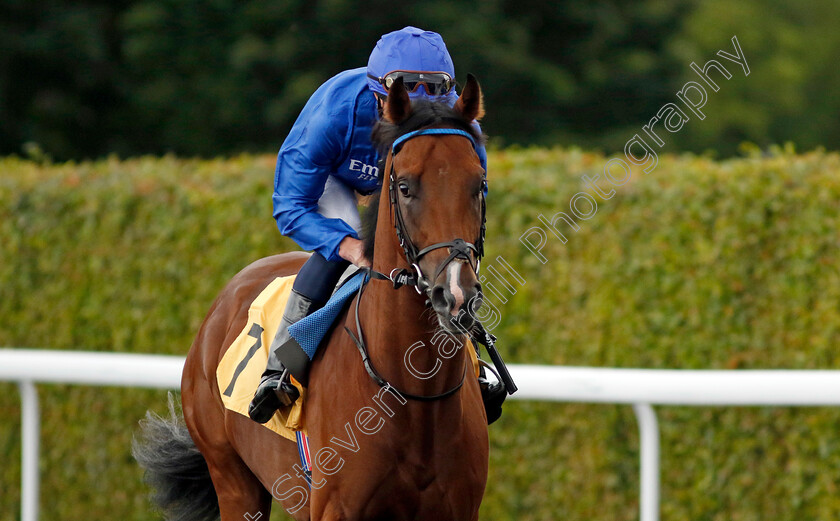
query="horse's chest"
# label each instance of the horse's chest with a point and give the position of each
(409, 485)
(411, 493)
(397, 462)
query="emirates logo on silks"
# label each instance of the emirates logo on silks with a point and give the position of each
(366, 172)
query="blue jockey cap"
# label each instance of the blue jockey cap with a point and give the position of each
(409, 49)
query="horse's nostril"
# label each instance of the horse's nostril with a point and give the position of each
(442, 300)
(476, 298)
(464, 321)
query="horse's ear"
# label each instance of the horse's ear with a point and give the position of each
(398, 105)
(471, 102)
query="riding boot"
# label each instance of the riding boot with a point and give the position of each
(493, 394)
(275, 389)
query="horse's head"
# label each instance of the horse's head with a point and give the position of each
(435, 186)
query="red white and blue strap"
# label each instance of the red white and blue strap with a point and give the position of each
(305, 458)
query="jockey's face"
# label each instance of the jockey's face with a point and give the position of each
(380, 103)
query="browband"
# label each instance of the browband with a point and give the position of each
(430, 132)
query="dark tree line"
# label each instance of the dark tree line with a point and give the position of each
(84, 79)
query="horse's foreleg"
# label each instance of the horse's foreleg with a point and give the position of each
(331, 512)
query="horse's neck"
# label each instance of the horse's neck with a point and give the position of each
(396, 321)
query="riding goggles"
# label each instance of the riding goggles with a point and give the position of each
(435, 83)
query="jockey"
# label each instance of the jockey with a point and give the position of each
(327, 156)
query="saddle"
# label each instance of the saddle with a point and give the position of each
(242, 365)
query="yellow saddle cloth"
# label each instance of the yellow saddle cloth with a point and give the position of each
(239, 372)
(243, 364)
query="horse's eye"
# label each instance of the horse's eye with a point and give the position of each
(480, 190)
(404, 189)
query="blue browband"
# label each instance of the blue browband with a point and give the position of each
(430, 132)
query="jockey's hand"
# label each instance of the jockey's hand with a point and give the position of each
(352, 250)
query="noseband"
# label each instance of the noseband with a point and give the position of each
(458, 248)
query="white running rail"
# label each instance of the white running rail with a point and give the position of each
(641, 388)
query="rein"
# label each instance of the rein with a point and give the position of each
(458, 249)
(368, 363)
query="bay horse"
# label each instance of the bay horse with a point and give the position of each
(404, 459)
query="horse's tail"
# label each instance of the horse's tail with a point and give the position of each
(175, 469)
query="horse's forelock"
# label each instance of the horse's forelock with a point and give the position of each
(423, 114)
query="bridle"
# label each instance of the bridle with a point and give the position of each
(458, 249)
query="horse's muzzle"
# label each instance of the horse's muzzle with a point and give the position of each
(455, 297)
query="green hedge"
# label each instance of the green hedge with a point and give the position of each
(699, 264)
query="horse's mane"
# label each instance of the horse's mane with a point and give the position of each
(424, 114)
